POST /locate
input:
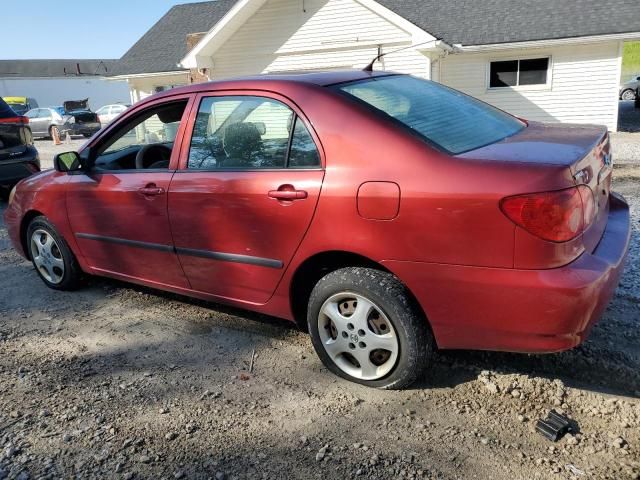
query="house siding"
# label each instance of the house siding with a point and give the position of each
(333, 34)
(583, 89)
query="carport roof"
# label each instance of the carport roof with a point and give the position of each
(54, 68)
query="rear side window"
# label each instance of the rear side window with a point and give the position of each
(446, 118)
(303, 149)
(249, 133)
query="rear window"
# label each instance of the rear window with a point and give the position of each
(446, 118)
(5, 110)
(19, 108)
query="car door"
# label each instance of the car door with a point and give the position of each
(245, 194)
(118, 210)
(45, 119)
(36, 121)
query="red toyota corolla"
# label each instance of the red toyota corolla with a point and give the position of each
(386, 214)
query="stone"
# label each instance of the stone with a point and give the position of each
(492, 387)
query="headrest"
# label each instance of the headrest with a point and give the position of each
(241, 140)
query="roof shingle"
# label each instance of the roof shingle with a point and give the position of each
(466, 22)
(481, 22)
(165, 44)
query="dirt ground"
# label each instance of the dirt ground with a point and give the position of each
(115, 381)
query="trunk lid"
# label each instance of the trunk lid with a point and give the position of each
(75, 105)
(584, 149)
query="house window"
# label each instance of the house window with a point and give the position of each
(516, 73)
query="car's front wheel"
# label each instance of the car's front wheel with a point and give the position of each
(628, 95)
(366, 328)
(51, 256)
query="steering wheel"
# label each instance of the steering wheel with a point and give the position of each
(164, 153)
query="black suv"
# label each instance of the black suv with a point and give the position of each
(18, 157)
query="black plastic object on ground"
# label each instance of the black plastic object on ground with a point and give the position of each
(555, 426)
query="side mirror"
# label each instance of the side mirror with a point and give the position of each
(67, 162)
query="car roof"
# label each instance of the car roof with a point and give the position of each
(15, 99)
(321, 79)
(271, 80)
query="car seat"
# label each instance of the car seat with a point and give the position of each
(241, 142)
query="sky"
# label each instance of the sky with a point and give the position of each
(76, 28)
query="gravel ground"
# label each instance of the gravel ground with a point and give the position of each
(115, 381)
(48, 150)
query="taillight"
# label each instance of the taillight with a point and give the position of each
(15, 120)
(557, 216)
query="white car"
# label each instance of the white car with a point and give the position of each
(110, 112)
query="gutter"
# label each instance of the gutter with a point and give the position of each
(146, 75)
(459, 48)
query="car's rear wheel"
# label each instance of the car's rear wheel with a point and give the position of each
(51, 256)
(87, 135)
(628, 95)
(366, 328)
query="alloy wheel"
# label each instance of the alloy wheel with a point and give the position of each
(47, 256)
(358, 336)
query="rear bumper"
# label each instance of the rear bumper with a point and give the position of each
(81, 128)
(521, 310)
(14, 170)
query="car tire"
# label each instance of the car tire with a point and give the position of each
(628, 95)
(53, 128)
(352, 306)
(51, 256)
(87, 135)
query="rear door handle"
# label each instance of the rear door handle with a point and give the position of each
(288, 192)
(151, 190)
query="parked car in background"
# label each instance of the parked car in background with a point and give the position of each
(108, 113)
(44, 121)
(385, 213)
(18, 157)
(21, 105)
(628, 91)
(79, 119)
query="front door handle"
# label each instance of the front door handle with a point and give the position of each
(151, 190)
(288, 193)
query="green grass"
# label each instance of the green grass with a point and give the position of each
(631, 61)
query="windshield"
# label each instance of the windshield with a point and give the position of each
(444, 117)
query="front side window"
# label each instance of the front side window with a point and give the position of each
(446, 118)
(514, 73)
(246, 132)
(146, 142)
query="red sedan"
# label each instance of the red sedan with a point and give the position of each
(387, 214)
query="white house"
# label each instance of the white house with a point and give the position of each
(544, 60)
(51, 82)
